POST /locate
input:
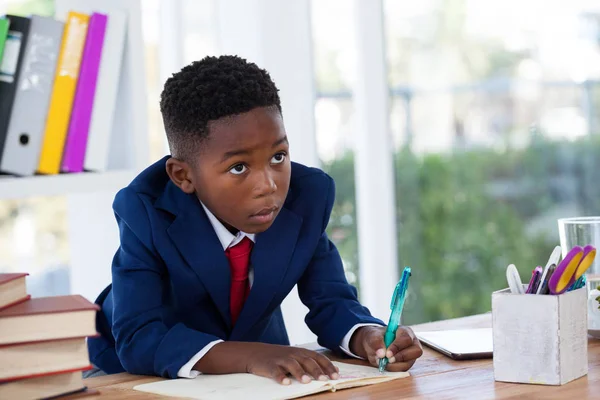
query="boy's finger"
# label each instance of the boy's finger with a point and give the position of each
(409, 354)
(295, 369)
(327, 366)
(417, 342)
(409, 332)
(376, 344)
(372, 356)
(313, 368)
(279, 374)
(373, 360)
(399, 344)
(404, 338)
(400, 366)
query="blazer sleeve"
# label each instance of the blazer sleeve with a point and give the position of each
(333, 304)
(148, 338)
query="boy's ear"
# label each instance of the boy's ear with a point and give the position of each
(181, 174)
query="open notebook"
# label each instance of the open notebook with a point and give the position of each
(241, 386)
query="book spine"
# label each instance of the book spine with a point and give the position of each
(63, 93)
(48, 341)
(7, 277)
(75, 147)
(66, 371)
(14, 303)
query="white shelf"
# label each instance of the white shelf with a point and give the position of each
(64, 184)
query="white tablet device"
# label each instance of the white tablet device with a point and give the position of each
(460, 344)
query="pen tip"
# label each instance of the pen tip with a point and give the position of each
(382, 364)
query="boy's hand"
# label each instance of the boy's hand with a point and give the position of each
(268, 360)
(273, 361)
(367, 342)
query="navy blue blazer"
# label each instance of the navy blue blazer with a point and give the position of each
(169, 295)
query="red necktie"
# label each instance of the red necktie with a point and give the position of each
(239, 259)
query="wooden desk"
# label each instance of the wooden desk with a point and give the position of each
(434, 376)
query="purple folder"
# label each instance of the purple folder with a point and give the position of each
(83, 103)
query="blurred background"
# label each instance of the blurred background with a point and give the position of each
(492, 127)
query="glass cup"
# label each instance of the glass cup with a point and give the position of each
(582, 231)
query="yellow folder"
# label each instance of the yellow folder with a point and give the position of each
(65, 82)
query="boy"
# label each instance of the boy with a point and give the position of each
(215, 236)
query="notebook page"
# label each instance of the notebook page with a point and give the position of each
(230, 387)
(244, 386)
(359, 375)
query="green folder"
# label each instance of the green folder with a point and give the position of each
(3, 34)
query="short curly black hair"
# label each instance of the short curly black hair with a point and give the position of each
(207, 90)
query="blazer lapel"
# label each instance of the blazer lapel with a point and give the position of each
(270, 259)
(196, 240)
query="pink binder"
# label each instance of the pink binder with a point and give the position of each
(79, 125)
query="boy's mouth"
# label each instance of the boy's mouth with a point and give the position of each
(265, 215)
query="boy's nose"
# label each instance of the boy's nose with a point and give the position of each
(265, 184)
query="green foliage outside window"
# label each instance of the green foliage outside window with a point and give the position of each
(463, 217)
(28, 7)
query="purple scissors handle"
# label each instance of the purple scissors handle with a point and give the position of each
(589, 254)
(571, 268)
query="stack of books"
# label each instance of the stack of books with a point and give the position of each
(59, 83)
(42, 342)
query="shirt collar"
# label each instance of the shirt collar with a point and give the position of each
(226, 238)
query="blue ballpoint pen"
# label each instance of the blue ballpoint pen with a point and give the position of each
(396, 307)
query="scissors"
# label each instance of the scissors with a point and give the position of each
(571, 268)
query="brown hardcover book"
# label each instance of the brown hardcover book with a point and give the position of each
(40, 358)
(42, 387)
(13, 289)
(47, 318)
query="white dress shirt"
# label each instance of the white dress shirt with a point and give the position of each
(227, 240)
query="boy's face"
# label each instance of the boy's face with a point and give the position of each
(242, 172)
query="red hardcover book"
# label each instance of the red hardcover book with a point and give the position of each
(47, 318)
(37, 358)
(13, 289)
(45, 386)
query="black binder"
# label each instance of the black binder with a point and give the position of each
(12, 59)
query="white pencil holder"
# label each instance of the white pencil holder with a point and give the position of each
(540, 339)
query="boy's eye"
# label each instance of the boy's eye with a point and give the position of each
(238, 169)
(278, 158)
